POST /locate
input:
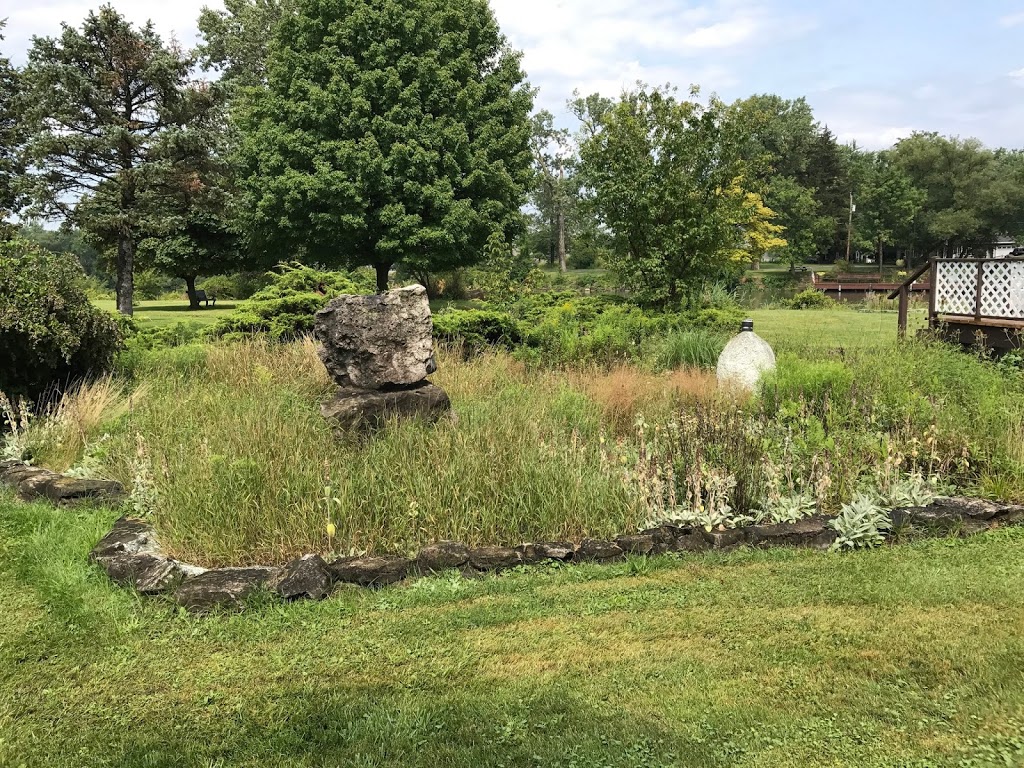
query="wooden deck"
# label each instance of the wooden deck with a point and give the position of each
(975, 301)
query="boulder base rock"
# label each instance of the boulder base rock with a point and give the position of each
(370, 570)
(374, 342)
(306, 576)
(227, 587)
(366, 409)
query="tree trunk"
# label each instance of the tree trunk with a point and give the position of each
(382, 271)
(125, 282)
(561, 241)
(552, 247)
(190, 289)
(881, 255)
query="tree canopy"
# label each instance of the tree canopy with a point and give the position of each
(386, 132)
(13, 130)
(667, 178)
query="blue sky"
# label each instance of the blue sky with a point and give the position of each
(873, 71)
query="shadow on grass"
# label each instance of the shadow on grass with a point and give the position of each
(147, 308)
(508, 723)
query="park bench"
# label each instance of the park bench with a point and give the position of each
(201, 296)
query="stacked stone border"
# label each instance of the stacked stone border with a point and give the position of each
(131, 554)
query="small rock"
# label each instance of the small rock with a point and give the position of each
(222, 587)
(147, 573)
(724, 539)
(664, 537)
(1013, 513)
(555, 550)
(959, 507)
(969, 527)
(494, 558)
(370, 570)
(306, 576)
(129, 536)
(598, 549)
(17, 471)
(442, 555)
(62, 490)
(810, 532)
(368, 409)
(639, 544)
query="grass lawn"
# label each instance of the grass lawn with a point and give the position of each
(158, 314)
(798, 329)
(907, 656)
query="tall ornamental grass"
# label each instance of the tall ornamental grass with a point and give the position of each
(246, 470)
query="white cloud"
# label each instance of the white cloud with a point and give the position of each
(1017, 74)
(606, 45)
(1012, 20)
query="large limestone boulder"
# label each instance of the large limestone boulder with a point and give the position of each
(745, 359)
(377, 342)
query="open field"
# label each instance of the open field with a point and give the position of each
(841, 327)
(800, 329)
(908, 656)
(158, 314)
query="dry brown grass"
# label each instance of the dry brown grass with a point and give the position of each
(59, 439)
(627, 391)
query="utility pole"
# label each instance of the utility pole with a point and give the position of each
(561, 217)
(849, 231)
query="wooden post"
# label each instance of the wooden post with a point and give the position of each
(904, 307)
(934, 280)
(977, 290)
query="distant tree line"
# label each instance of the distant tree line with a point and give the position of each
(379, 133)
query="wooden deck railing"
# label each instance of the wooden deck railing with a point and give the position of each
(903, 293)
(982, 291)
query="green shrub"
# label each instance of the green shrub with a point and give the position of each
(221, 286)
(285, 308)
(150, 284)
(477, 328)
(811, 299)
(50, 334)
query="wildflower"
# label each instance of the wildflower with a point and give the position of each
(331, 530)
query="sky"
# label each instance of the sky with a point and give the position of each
(872, 70)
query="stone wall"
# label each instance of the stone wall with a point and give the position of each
(132, 556)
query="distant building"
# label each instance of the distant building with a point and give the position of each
(1003, 247)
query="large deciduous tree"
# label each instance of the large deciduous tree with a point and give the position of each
(386, 132)
(12, 134)
(236, 39)
(102, 97)
(666, 177)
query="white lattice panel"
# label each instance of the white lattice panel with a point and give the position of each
(956, 285)
(1002, 293)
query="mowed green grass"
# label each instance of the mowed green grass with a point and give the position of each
(159, 314)
(905, 656)
(793, 329)
(836, 328)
